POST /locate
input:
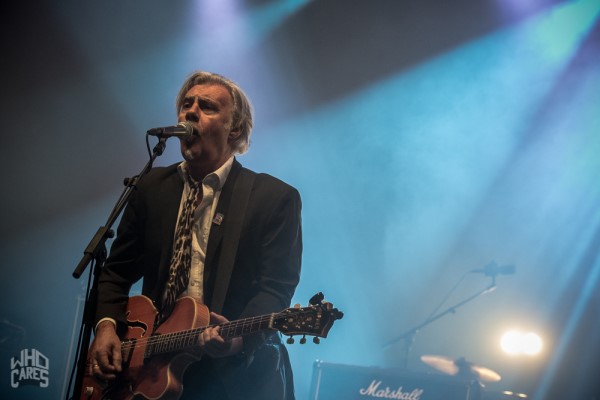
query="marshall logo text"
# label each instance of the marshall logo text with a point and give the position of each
(374, 391)
(31, 368)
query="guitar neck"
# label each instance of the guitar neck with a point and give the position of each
(246, 326)
(177, 341)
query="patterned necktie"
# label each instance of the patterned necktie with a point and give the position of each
(179, 269)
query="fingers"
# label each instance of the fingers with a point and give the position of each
(90, 365)
(101, 373)
(217, 319)
(102, 367)
(212, 335)
(212, 338)
(212, 342)
(105, 355)
(108, 358)
(116, 358)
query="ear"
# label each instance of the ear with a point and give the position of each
(234, 134)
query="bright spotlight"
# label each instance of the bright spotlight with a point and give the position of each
(532, 344)
(516, 342)
(510, 342)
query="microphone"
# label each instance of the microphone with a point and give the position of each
(182, 130)
(493, 269)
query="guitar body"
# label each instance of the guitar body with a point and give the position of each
(158, 377)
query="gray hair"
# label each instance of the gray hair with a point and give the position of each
(242, 109)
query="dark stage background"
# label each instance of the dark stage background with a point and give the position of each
(427, 138)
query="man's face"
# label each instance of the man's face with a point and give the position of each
(210, 108)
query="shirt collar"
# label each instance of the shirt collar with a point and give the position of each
(215, 179)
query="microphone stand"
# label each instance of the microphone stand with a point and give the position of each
(409, 335)
(95, 252)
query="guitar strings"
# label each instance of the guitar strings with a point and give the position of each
(174, 338)
(167, 342)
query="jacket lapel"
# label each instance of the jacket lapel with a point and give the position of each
(171, 193)
(216, 230)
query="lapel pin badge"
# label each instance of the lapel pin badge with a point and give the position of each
(218, 219)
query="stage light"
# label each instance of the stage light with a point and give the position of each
(510, 394)
(510, 342)
(532, 344)
(517, 343)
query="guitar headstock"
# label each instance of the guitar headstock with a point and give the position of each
(314, 320)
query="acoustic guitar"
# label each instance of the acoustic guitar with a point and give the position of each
(154, 362)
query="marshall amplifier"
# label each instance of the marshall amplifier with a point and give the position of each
(348, 382)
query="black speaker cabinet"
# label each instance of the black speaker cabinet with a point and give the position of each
(349, 382)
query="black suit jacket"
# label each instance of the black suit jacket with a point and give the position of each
(265, 272)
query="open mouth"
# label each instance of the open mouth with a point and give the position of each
(189, 140)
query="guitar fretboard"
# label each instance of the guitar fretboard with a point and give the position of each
(177, 341)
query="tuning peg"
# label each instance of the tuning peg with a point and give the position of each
(290, 340)
(316, 299)
(316, 340)
(303, 339)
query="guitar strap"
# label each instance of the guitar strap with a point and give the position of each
(231, 235)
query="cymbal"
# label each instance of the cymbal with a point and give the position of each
(460, 367)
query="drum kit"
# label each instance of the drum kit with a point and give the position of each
(461, 368)
(465, 370)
